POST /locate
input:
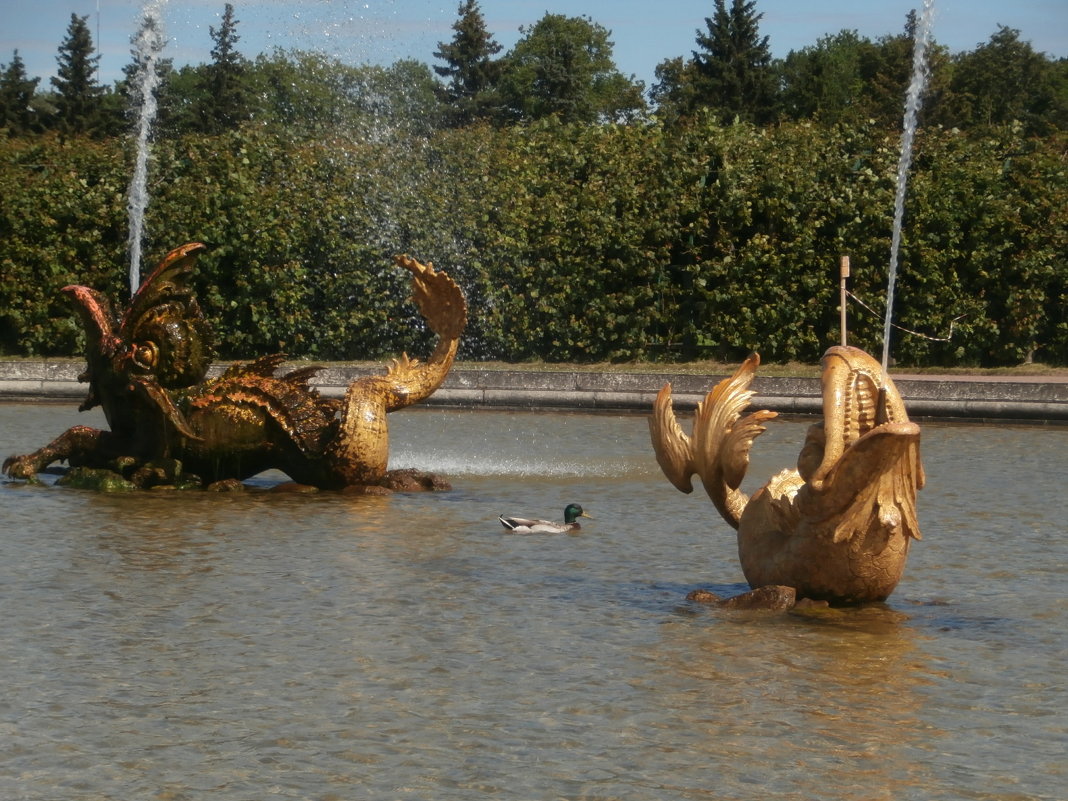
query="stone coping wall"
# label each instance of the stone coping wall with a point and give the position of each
(965, 398)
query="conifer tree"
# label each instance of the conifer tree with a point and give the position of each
(78, 95)
(148, 42)
(469, 66)
(733, 66)
(16, 97)
(226, 100)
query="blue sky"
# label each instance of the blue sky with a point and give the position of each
(382, 31)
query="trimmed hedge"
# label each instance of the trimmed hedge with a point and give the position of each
(572, 243)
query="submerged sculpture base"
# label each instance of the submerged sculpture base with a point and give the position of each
(774, 597)
(167, 474)
(406, 480)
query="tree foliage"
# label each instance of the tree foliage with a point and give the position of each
(16, 98)
(562, 66)
(224, 95)
(1002, 81)
(730, 72)
(78, 95)
(148, 43)
(470, 69)
(846, 78)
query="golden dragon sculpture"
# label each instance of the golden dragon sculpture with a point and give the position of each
(171, 426)
(837, 528)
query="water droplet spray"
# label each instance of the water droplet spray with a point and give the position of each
(922, 39)
(148, 44)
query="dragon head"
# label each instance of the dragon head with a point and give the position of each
(161, 343)
(857, 399)
(861, 464)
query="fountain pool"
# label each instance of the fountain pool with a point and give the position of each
(270, 645)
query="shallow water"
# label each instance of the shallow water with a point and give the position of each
(261, 645)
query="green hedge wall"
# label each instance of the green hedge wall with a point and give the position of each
(572, 243)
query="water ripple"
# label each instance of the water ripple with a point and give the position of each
(276, 646)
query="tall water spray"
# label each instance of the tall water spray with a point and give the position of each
(922, 38)
(149, 43)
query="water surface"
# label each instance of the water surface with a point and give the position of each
(265, 645)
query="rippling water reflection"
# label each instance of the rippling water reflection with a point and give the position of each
(316, 647)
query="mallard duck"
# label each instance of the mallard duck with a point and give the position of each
(523, 525)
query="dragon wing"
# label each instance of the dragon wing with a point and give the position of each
(673, 448)
(164, 325)
(723, 439)
(719, 450)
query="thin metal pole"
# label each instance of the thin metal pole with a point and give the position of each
(843, 274)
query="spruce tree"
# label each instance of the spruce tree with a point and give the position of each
(733, 66)
(78, 95)
(224, 79)
(469, 66)
(16, 97)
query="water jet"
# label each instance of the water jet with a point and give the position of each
(149, 44)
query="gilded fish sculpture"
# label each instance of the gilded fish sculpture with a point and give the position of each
(838, 527)
(170, 425)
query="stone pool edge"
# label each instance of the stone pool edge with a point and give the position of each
(1039, 399)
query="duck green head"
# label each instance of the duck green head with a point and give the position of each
(573, 512)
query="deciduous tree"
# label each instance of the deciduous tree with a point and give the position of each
(1004, 80)
(824, 81)
(563, 66)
